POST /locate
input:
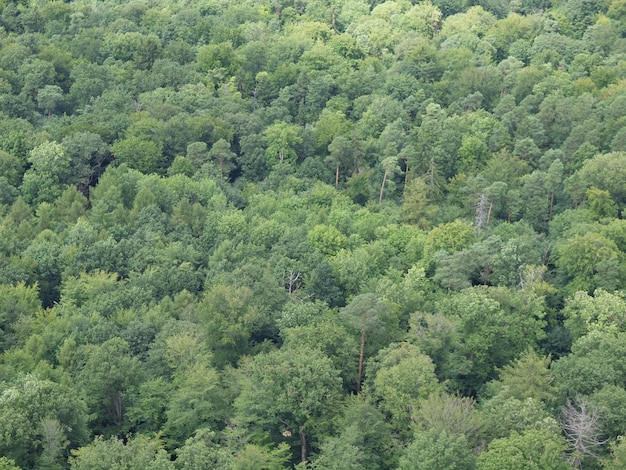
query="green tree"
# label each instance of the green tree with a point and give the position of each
(492, 329)
(281, 139)
(140, 154)
(365, 312)
(390, 165)
(223, 157)
(432, 449)
(288, 392)
(50, 171)
(398, 377)
(18, 305)
(530, 450)
(107, 378)
(340, 153)
(40, 419)
(590, 261)
(49, 98)
(137, 452)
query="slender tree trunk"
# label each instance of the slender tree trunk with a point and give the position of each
(551, 204)
(303, 445)
(406, 173)
(489, 213)
(337, 176)
(358, 381)
(382, 188)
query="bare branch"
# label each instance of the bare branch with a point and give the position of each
(581, 424)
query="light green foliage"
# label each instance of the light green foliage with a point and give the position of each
(604, 171)
(398, 377)
(140, 452)
(202, 451)
(432, 449)
(452, 415)
(602, 312)
(327, 239)
(39, 419)
(253, 457)
(493, 329)
(140, 154)
(504, 415)
(530, 450)
(49, 97)
(282, 139)
(591, 261)
(7, 464)
(48, 174)
(595, 361)
(450, 237)
(609, 401)
(527, 377)
(291, 393)
(18, 305)
(107, 380)
(333, 340)
(618, 456)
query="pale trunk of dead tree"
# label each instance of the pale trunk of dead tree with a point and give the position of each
(382, 188)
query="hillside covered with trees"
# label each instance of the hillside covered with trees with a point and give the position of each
(313, 234)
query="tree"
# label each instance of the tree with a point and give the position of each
(49, 173)
(140, 452)
(452, 415)
(530, 450)
(364, 312)
(49, 97)
(141, 154)
(107, 376)
(398, 377)
(89, 153)
(437, 449)
(281, 139)
(590, 261)
(528, 377)
(18, 304)
(604, 171)
(602, 312)
(618, 455)
(40, 419)
(492, 329)
(288, 392)
(340, 152)
(390, 164)
(223, 156)
(581, 425)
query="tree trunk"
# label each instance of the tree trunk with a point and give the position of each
(358, 381)
(382, 188)
(337, 176)
(551, 204)
(303, 445)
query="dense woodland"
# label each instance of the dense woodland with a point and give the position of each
(323, 234)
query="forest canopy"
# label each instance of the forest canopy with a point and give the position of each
(313, 234)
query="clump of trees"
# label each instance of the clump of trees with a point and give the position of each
(313, 234)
